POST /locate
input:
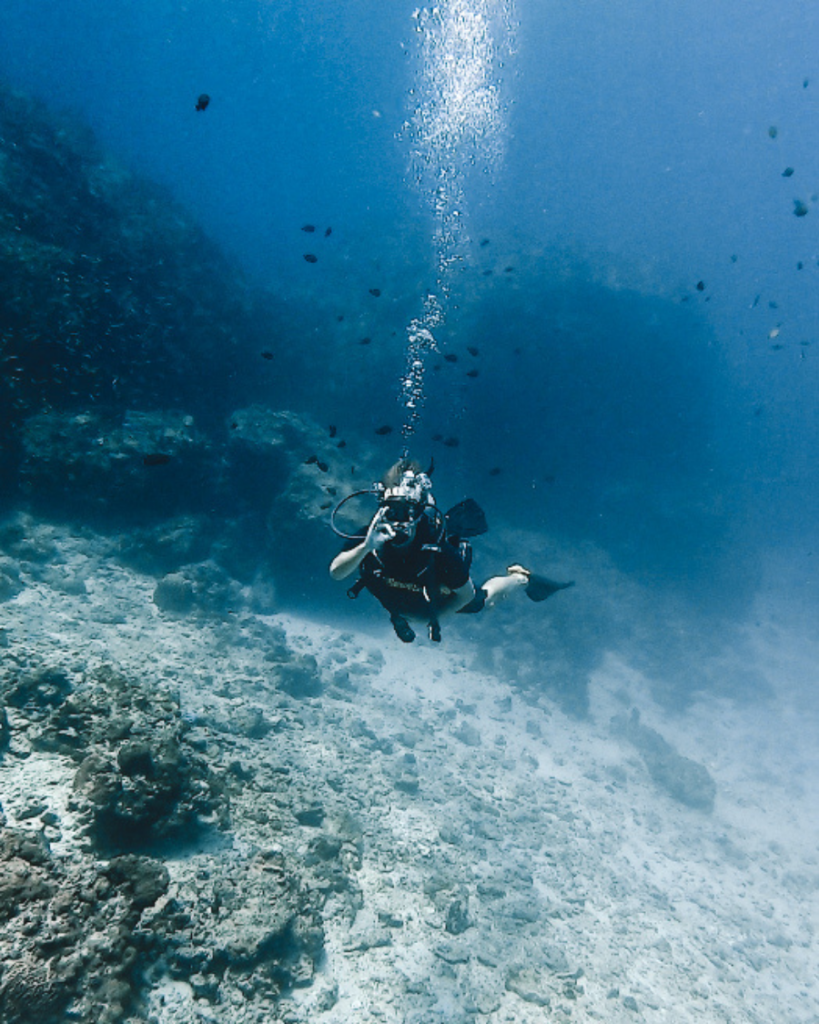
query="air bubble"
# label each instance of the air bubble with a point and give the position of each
(458, 123)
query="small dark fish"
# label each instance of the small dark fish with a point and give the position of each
(322, 465)
(311, 460)
(804, 343)
(495, 471)
(309, 228)
(800, 265)
(325, 505)
(310, 257)
(508, 270)
(471, 350)
(805, 83)
(341, 444)
(700, 286)
(234, 426)
(787, 172)
(365, 341)
(451, 357)
(267, 355)
(777, 347)
(375, 291)
(755, 303)
(799, 208)
(484, 242)
(340, 317)
(773, 131)
(386, 429)
(156, 459)
(328, 232)
(451, 442)
(734, 258)
(472, 373)
(773, 305)
(203, 101)
(487, 273)
(437, 437)
(331, 430)
(332, 491)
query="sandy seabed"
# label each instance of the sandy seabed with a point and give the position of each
(517, 864)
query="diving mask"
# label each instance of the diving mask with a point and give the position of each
(401, 510)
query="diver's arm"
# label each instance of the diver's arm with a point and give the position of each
(378, 533)
(346, 562)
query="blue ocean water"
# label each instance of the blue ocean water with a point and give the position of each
(634, 150)
(593, 200)
(632, 159)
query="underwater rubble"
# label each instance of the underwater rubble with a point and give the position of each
(223, 815)
(71, 933)
(80, 934)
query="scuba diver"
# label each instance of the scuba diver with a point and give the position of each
(415, 559)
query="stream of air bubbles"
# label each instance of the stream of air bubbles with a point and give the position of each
(457, 123)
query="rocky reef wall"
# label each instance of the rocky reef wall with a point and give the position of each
(111, 296)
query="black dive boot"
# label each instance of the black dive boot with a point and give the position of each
(403, 630)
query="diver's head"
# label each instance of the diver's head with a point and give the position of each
(404, 493)
(406, 479)
(407, 493)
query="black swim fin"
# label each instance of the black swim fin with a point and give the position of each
(466, 519)
(539, 588)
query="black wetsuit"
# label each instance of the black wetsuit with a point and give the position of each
(419, 579)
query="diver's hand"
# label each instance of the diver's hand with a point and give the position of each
(379, 531)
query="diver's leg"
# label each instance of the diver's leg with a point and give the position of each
(403, 630)
(497, 588)
(398, 618)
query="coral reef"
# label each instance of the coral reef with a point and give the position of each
(137, 780)
(75, 931)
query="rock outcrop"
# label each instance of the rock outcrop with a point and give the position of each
(683, 779)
